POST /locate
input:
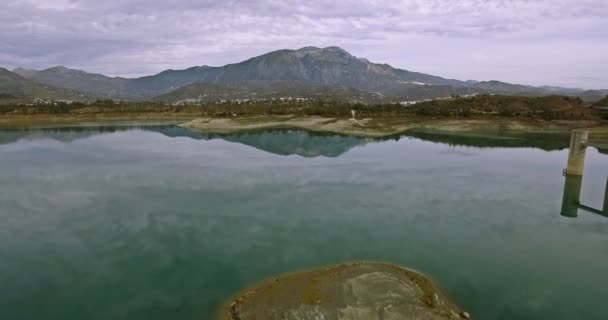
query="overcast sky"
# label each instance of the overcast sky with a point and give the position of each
(554, 42)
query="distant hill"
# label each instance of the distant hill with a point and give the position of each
(593, 95)
(602, 103)
(93, 84)
(14, 86)
(562, 90)
(311, 70)
(498, 87)
(547, 107)
(26, 73)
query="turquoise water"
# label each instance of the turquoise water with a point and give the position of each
(157, 222)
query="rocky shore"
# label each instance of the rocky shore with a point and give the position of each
(381, 127)
(353, 291)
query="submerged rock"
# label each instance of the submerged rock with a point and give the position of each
(357, 291)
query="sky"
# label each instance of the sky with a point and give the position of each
(536, 42)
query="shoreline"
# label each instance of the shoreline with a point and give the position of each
(16, 121)
(377, 127)
(386, 127)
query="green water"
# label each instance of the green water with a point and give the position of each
(158, 222)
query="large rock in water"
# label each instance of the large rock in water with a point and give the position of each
(357, 291)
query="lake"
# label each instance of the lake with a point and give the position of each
(107, 221)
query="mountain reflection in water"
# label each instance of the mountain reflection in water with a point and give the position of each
(295, 141)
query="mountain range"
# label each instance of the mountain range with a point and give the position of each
(309, 72)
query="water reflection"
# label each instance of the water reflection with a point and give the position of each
(289, 142)
(77, 132)
(572, 195)
(314, 144)
(176, 226)
(507, 139)
(277, 141)
(292, 141)
(574, 178)
(571, 198)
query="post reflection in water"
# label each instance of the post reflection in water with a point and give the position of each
(605, 209)
(574, 178)
(572, 195)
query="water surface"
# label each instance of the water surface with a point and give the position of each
(158, 222)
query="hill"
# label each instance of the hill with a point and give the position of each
(498, 87)
(93, 84)
(593, 95)
(14, 86)
(602, 103)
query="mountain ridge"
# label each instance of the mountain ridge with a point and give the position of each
(315, 66)
(311, 66)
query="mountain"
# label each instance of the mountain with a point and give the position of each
(312, 66)
(310, 70)
(333, 66)
(14, 86)
(328, 66)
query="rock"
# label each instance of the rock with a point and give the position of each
(354, 291)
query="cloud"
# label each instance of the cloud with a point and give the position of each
(482, 39)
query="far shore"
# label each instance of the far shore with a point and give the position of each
(376, 127)
(16, 121)
(383, 127)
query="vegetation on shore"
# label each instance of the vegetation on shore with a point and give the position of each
(482, 106)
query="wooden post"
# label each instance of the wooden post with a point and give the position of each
(576, 156)
(572, 195)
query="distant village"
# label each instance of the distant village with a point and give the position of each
(202, 99)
